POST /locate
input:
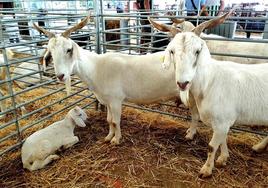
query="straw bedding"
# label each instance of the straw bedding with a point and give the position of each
(152, 153)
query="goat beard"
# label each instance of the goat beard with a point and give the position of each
(184, 95)
(68, 85)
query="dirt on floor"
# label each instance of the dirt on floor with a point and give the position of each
(152, 153)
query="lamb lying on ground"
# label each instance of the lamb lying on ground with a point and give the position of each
(39, 149)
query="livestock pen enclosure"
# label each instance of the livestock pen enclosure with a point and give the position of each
(153, 151)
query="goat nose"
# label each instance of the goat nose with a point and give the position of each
(183, 85)
(60, 76)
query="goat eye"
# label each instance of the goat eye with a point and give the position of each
(197, 52)
(171, 51)
(69, 50)
(80, 114)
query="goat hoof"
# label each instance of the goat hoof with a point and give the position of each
(190, 134)
(257, 148)
(205, 172)
(189, 137)
(108, 138)
(115, 141)
(220, 163)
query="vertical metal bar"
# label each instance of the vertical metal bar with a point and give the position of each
(1, 30)
(265, 32)
(97, 24)
(152, 30)
(129, 36)
(11, 93)
(102, 21)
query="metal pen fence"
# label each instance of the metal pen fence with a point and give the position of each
(108, 31)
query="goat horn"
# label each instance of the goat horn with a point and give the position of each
(212, 23)
(164, 27)
(42, 30)
(176, 20)
(80, 25)
(159, 26)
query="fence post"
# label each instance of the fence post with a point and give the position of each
(97, 25)
(265, 32)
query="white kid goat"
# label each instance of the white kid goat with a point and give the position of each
(112, 77)
(39, 149)
(216, 46)
(225, 92)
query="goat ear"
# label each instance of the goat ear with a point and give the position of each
(42, 30)
(167, 60)
(211, 23)
(77, 119)
(46, 59)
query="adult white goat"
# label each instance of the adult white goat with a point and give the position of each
(112, 77)
(216, 46)
(39, 149)
(225, 92)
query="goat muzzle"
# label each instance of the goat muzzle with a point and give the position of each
(60, 77)
(182, 85)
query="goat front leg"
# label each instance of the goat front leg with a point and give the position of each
(116, 109)
(261, 146)
(220, 132)
(191, 131)
(38, 164)
(70, 141)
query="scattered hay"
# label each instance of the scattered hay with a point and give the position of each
(153, 153)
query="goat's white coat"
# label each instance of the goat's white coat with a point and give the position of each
(225, 92)
(39, 149)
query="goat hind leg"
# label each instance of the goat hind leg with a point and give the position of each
(116, 109)
(111, 133)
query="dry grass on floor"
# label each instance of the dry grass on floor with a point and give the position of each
(153, 153)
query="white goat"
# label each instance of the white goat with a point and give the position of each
(112, 77)
(216, 46)
(39, 149)
(225, 92)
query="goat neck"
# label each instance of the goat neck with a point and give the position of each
(85, 66)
